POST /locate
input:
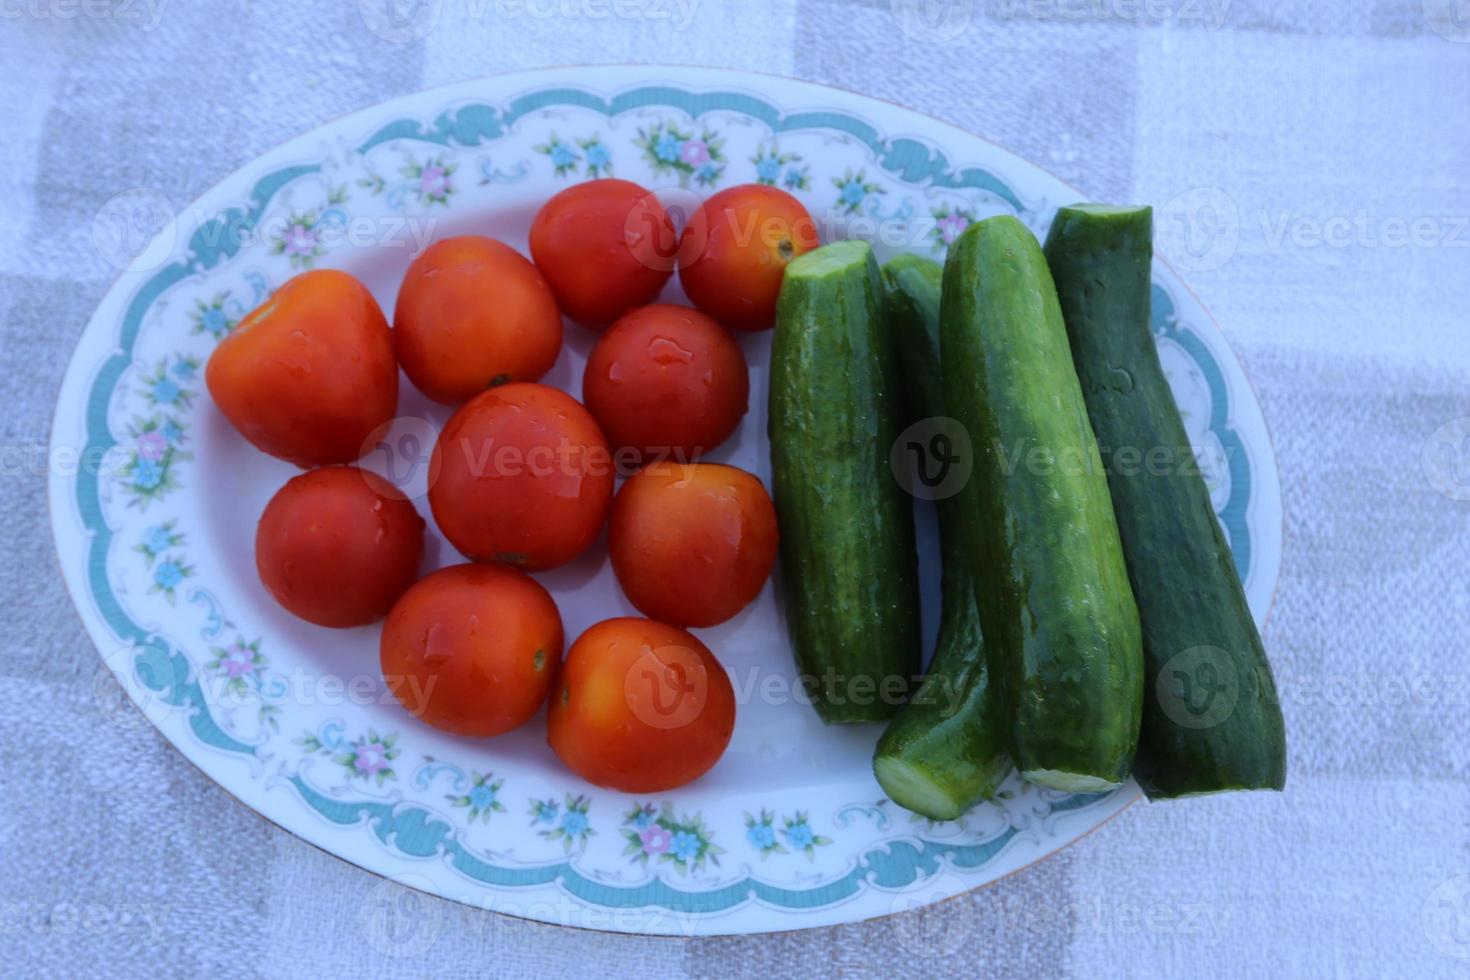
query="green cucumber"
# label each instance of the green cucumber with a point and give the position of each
(1224, 730)
(849, 569)
(1061, 628)
(946, 750)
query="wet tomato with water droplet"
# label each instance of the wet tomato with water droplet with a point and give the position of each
(310, 373)
(640, 707)
(472, 649)
(692, 544)
(521, 474)
(472, 313)
(605, 246)
(338, 545)
(734, 253)
(667, 381)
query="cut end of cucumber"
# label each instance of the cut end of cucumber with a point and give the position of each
(829, 259)
(1107, 210)
(914, 789)
(1068, 782)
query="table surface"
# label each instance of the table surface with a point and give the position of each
(1339, 135)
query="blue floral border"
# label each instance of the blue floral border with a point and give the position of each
(418, 832)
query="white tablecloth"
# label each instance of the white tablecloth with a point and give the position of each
(1338, 131)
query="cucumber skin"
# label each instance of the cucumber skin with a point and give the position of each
(1167, 522)
(1061, 628)
(848, 561)
(953, 728)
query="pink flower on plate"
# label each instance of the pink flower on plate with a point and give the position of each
(433, 181)
(371, 759)
(238, 661)
(951, 226)
(151, 445)
(299, 240)
(694, 153)
(656, 840)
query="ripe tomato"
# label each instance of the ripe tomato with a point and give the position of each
(667, 379)
(692, 544)
(472, 649)
(310, 373)
(472, 313)
(605, 246)
(735, 251)
(521, 474)
(337, 546)
(640, 707)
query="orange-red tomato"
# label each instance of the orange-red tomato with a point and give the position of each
(640, 707)
(666, 380)
(605, 246)
(735, 251)
(521, 474)
(310, 373)
(472, 649)
(692, 544)
(472, 313)
(337, 546)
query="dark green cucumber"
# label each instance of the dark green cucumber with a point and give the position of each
(946, 750)
(1061, 629)
(1211, 718)
(849, 570)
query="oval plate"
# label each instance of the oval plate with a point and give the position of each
(154, 514)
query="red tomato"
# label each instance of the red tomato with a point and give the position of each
(473, 313)
(640, 707)
(472, 649)
(337, 546)
(667, 379)
(521, 474)
(309, 374)
(692, 544)
(735, 251)
(605, 246)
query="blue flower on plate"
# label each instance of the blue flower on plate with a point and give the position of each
(793, 178)
(800, 835)
(769, 168)
(214, 321)
(761, 836)
(147, 474)
(183, 370)
(171, 431)
(667, 148)
(482, 797)
(157, 538)
(685, 846)
(708, 172)
(643, 819)
(853, 193)
(598, 156)
(561, 156)
(573, 823)
(165, 391)
(168, 575)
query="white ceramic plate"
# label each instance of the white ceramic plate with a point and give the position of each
(154, 502)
